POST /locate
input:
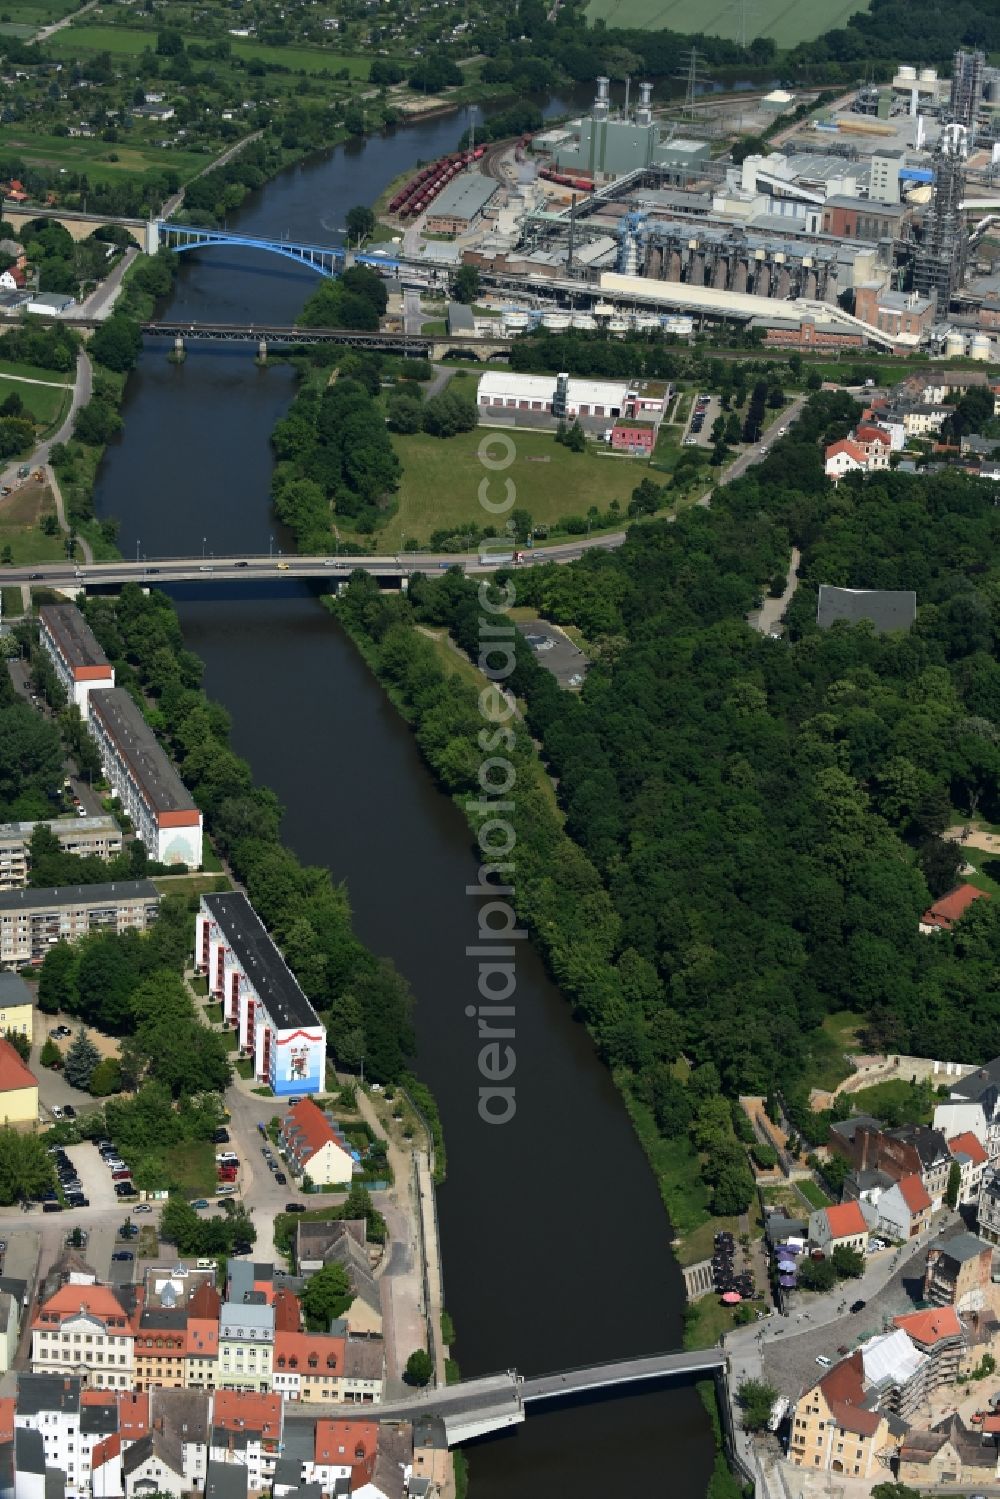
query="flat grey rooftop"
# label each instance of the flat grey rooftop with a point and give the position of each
(161, 786)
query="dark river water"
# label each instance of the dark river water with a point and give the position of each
(554, 1240)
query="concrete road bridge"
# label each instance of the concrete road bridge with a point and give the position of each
(157, 572)
(475, 1407)
(419, 345)
(82, 225)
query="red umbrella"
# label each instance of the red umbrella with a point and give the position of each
(731, 1298)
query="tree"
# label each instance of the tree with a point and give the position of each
(106, 1077)
(326, 1296)
(894, 1491)
(419, 1367)
(20, 1043)
(817, 1275)
(360, 222)
(940, 859)
(755, 1399)
(50, 1054)
(449, 413)
(465, 287)
(81, 1060)
(116, 343)
(25, 1166)
(954, 1186)
(849, 1264)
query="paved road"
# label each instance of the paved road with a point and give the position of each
(47, 31)
(767, 619)
(102, 299)
(82, 387)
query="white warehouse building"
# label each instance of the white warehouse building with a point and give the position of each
(276, 1024)
(566, 396)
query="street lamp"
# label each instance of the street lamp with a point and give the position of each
(137, 549)
(270, 546)
(204, 541)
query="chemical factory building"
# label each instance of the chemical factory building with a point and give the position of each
(461, 204)
(731, 304)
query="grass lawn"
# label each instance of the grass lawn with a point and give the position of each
(214, 1013)
(130, 41)
(441, 478)
(837, 1035)
(229, 1041)
(10, 602)
(19, 516)
(147, 1245)
(210, 861)
(244, 1066)
(813, 1194)
(92, 156)
(705, 1321)
(784, 1197)
(192, 884)
(35, 372)
(698, 1244)
(187, 1167)
(199, 985)
(788, 21)
(982, 861)
(46, 403)
(25, 17)
(895, 1093)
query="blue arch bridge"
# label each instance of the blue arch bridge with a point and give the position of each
(326, 260)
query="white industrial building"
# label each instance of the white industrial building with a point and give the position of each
(565, 396)
(276, 1024)
(72, 647)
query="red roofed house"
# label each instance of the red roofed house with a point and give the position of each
(938, 1333)
(944, 913)
(848, 1223)
(904, 1209)
(833, 1431)
(247, 1427)
(18, 1088)
(90, 1317)
(875, 443)
(342, 1450)
(13, 279)
(314, 1147)
(971, 1159)
(287, 1312)
(308, 1366)
(844, 457)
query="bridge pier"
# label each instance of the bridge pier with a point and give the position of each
(178, 356)
(152, 237)
(262, 351)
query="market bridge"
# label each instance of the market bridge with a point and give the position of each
(475, 1407)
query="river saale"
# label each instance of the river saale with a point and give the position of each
(555, 1243)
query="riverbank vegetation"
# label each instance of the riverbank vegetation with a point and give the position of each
(365, 1003)
(743, 822)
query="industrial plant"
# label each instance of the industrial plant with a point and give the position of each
(863, 224)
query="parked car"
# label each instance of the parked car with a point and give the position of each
(221, 1137)
(225, 1191)
(121, 1255)
(143, 1207)
(858, 1306)
(199, 1203)
(63, 1030)
(281, 1178)
(68, 1111)
(241, 1246)
(57, 1112)
(52, 1207)
(295, 1207)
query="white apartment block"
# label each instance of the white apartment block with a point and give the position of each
(71, 646)
(151, 792)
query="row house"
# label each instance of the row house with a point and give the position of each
(968, 1154)
(89, 1331)
(247, 1428)
(246, 1346)
(315, 1146)
(309, 1367)
(912, 1150)
(973, 1103)
(904, 1209)
(160, 1348)
(958, 1273)
(846, 1225)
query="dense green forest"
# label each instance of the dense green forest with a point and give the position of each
(752, 823)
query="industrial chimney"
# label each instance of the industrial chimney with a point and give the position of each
(602, 102)
(644, 114)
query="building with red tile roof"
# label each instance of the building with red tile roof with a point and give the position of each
(929, 1327)
(287, 1312)
(91, 1312)
(971, 1159)
(833, 1430)
(7, 1407)
(247, 1410)
(846, 1223)
(314, 1146)
(944, 913)
(343, 1449)
(309, 1366)
(18, 1088)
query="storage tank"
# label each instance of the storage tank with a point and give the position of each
(618, 326)
(645, 322)
(556, 322)
(954, 345)
(603, 311)
(992, 89)
(979, 346)
(928, 75)
(907, 75)
(516, 322)
(584, 322)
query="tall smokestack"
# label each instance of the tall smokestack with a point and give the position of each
(644, 114)
(602, 102)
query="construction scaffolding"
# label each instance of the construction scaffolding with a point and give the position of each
(940, 261)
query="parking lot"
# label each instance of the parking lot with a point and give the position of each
(555, 651)
(703, 413)
(95, 1178)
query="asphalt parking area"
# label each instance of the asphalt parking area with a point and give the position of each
(95, 1177)
(555, 651)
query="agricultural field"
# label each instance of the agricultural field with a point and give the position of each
(22, 18)
(441, 478)
(129, 41)
(101, 161)
(787, 21)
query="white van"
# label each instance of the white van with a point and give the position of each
(205, 1264)
(823, 1361)
(227, 1158)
